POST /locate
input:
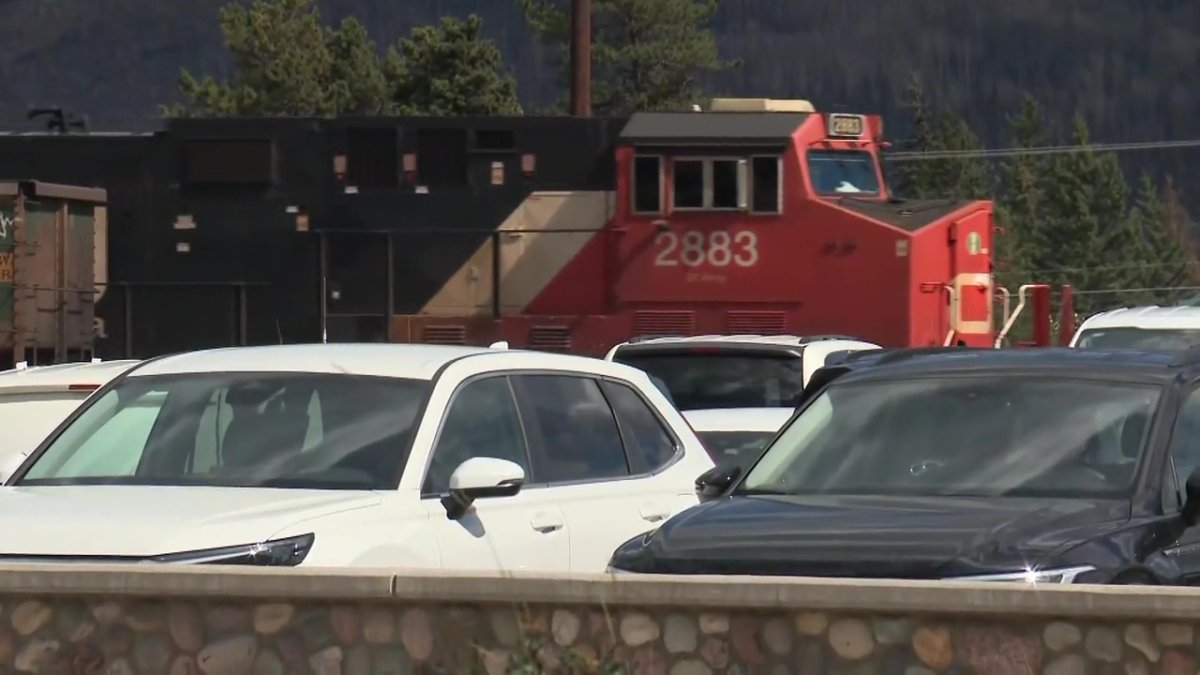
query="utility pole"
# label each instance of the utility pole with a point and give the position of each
(581, 58)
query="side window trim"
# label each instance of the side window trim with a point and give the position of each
(441, 428)
(676, 442)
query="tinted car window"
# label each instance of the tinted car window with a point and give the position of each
(650, 446)
(482, 422)
(739, 448)
(289, 430)
(579, 435)
(986, 436)
(1165, 339)
(699, 380)
(1185, 442)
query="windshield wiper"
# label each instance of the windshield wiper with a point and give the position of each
(761, 491)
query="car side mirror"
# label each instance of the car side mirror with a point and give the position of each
(481, 478)
(1191, 504)
(716, 481)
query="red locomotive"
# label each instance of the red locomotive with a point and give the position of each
(757, 216)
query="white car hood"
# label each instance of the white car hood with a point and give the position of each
(143, 521)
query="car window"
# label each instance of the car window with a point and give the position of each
(288, 430)
(1185, 441)
(972, 436)
(578, 433)
(738, 448)
(649, 444)
(1129, 337)
(115, 446)
(482, 421)
(704, 379)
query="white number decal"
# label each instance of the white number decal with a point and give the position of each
(664, 258)
(718, 249)
(693, 249)
(748, 241)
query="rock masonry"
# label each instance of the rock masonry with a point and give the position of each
(184, 638)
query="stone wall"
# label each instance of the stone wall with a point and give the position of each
(176, 621)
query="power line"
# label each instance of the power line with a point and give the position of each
(916, 155)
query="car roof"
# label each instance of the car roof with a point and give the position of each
(835, 342)
(1062, 360)
(738, 419)
(399, 360)
(1150, 316)
(85, 375)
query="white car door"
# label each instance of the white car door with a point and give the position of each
(527, 531)
(579, 451)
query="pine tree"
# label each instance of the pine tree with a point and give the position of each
(449, 69)
(935, 131)
(287, 63)
(1021, 205)
(1165, 246)
(646, 54)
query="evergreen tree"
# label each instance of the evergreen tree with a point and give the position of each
(646, 54)
(283, 64)
(1021, 202)
(1165, 247)
(287, 63)
(449, 69)
(935, 131)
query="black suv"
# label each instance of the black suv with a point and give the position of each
(1044, 465)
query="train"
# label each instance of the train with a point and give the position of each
(754, 216)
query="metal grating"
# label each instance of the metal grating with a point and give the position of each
(755, 322)
(664, 322)
(444, 335)
(554, 338)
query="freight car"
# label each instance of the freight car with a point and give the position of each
(552, 232)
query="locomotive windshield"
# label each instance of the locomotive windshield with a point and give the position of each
(838, 172)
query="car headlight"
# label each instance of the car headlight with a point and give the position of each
(276, 553)
(1062, 575)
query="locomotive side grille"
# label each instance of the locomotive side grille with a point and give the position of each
(444, 335)
(754, 322)
(663, 322)
(551, 338)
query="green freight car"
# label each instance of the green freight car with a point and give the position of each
(53, 264)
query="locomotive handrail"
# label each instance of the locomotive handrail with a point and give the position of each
(1022, 292)
(953, 314)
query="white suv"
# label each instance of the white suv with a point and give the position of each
(733, 371)
(375, 455)
(1152, 327)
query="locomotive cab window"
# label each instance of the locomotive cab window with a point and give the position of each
(714, 184)
(766, 185)
(839, 172)
(647, 184)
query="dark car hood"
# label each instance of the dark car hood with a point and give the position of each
(899, 537)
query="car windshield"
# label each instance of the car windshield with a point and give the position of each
(843, 172)
(287, 430)
(27, 419)
(1154, 339)
(698, 380)
(734, 447)
(967, 436)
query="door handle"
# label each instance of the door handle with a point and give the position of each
(654, 514)
(546, 522)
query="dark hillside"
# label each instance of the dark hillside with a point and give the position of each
(1129, 65)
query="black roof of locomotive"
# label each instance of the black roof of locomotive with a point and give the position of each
(711, 128)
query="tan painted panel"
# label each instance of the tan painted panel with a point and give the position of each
(537, 240)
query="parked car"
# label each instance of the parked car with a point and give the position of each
(416, 456)
(1153, 327)
(734, 371)
(736, 436)
(1039, 465)
(34, 400)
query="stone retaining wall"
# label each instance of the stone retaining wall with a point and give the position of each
(84, 619)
